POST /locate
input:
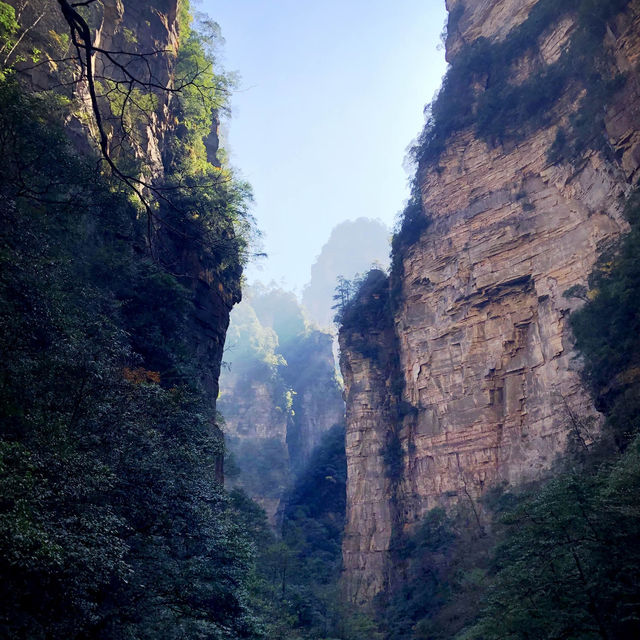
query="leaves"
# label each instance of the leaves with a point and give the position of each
(113, 523)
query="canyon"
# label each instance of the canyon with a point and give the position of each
(170, 469)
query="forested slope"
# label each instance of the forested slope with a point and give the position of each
(113, 519)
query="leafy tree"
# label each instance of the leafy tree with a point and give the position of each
(343, 294)
(568, 565)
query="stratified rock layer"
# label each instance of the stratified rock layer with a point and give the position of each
(485, 349)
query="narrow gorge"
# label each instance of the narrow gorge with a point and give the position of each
(442, 443)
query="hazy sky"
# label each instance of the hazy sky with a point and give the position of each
(331, 95)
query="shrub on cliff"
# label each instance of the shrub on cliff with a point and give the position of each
(607, 331)
(477, 92)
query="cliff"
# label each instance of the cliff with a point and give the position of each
(277, 403)
(531, 148)
(257, 413)
(119, 261)
(44, 57)
(142, 85)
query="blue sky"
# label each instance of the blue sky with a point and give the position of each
(331, 94)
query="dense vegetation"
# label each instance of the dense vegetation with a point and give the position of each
(607, 332)
(108, 454)
(113, 521)
(296, 581)
(480, 92)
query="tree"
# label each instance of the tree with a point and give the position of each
(343, 293)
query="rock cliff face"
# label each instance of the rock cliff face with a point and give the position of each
(276, 416)
(122, 27)
(256, 424)
(145, 37)
(488, 379)
(317, 401)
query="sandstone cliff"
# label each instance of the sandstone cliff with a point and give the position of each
(275, 415)
(484, 386)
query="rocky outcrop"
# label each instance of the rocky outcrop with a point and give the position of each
(317, 399)
(275, 415)
(145, 39)
(368, 360)
(484, 347)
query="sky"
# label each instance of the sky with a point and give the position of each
(331, 94)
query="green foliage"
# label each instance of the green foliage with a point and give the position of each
(8, 28)
(560, 561)
(412, 223)
(319, 495)
(297, 585)
(112, 522)
(607, 331)
(568, 565)
(263, 327)
(204, 93)
(249, 342)
(366, 308)
(263, 465)
(423, 588)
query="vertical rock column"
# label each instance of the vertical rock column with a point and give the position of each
(368, 359)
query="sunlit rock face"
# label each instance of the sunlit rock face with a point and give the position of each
(122, 27)
(474, 19)
(481, 324)
(371, 415)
